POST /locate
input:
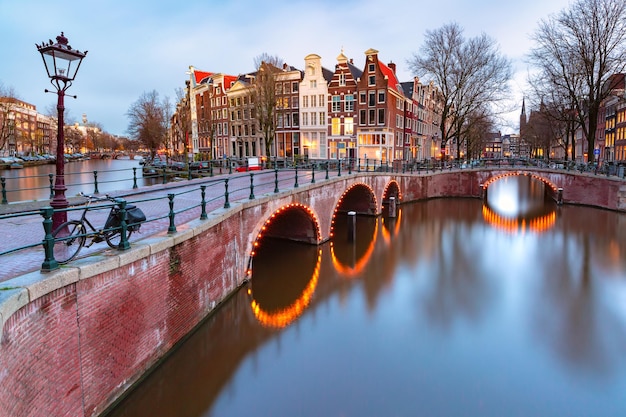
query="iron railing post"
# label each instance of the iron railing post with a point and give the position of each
(49, 263)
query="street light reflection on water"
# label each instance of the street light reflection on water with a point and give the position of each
(442, 311)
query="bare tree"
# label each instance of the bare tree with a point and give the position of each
(148, 121)
(471, 74)
(478, 123)
(263, 93)
(7, 128)
(183, 119)
(576, 53)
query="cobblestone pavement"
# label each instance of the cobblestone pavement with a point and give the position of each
(22, 225)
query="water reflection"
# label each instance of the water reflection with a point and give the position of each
(518, 204)
(448, 315)
(279, 296)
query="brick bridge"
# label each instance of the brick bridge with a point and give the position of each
(75, 339)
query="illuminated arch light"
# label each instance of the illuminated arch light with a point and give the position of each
(339, 201)
(514, 225)
(397, 185)
(283, 317)
(351, 272)
(272, 218)
(517, 174)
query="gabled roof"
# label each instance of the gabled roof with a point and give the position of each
(355, 71)
(327, 74)
(407, 86)
(391, 76)
(200, 76)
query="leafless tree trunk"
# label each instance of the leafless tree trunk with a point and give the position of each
(576, 53)
(264, 96)
(148, 121)
(471, 74)
(7, 128)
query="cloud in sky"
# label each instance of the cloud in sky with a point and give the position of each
(136, 46)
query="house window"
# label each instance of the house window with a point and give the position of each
(286, 88)
(322, 118)
(313, 101)
(294, 102)
(305, 119)
(362, 97)
(371, 67)
(348, 125)
(305, 101)
(381, 96)
(279, 88)
(372, 117)
(296, 119)
(313, 83)
(349, 102)
(381, 116)
(320, 100)
(371, 80)
(372, 98)
(362, 117)
(336, 126)
(342, 79)
(336, 104)
(295, 86)
(313, 119)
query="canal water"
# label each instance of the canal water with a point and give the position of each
(33, 182)
(453, 308)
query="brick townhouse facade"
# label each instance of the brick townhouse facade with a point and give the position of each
(350, 112)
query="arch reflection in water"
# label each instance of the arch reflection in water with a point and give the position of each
(519, 203)
(274, 308)
(350, 260)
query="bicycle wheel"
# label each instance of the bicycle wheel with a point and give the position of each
(69, 238)
(114, 237)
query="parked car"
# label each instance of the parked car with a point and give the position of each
(199, 165)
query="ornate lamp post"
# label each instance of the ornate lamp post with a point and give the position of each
(62, 63)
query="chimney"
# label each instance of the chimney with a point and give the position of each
(351, 61)
(392, 66)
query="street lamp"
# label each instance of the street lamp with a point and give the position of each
(62, 63)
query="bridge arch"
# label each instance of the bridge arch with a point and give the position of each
(392, 189)
(360, 198)
(495, 178)
(293, 221)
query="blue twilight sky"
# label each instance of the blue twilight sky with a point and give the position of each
(136, 46)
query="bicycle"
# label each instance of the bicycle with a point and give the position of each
(70, 237)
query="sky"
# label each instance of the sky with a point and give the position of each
(137, 46)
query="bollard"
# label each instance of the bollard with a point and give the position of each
(164, 176)
(134, 177)
(338, 167)
(275, 179)
(172, 227)
(483, 192)
(351, 226)
(559, 196)
(295, 185)
(327, 169)
(392, 207)
(49, 263)
(313, 173)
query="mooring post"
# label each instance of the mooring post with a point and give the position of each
(392, 207)
(351, 226)
(559, 196)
